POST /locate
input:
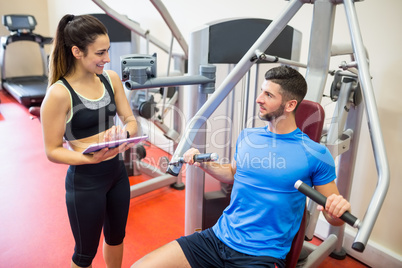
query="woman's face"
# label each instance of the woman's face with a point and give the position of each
(97, 55)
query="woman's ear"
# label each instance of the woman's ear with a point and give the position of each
(76, 52)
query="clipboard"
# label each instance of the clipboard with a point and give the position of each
(112, 144)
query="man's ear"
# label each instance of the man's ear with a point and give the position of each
(290, 106)
(76, 52)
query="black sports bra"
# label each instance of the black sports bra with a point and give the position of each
(90, 117)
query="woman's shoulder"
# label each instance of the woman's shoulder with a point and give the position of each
(57, 94)
(114, 80)
(58, 90)
(112, 75)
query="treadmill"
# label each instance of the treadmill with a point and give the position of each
(27, 90)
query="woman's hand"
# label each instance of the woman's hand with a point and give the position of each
(112, 134)
(115, 133)
(107, 153)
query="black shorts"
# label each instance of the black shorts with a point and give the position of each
(205, 250)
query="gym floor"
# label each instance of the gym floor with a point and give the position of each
(34, 226)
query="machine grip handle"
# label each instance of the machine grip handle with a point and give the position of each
(196, 158)
(321, 200)
(205, 157)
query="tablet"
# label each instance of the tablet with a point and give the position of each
(111, 144)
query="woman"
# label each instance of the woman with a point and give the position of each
(80, 106)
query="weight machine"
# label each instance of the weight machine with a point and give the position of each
(352, 85)
(352, 90)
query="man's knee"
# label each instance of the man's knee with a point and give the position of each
(169, 255)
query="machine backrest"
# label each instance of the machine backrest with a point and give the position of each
(310, 119)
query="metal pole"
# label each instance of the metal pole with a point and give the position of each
(374, 127)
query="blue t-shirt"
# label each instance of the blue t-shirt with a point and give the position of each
(265, 210)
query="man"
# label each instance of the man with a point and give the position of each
(265, 211)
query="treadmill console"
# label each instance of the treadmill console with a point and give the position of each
(19, 23)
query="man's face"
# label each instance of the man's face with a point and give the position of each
(270, 101)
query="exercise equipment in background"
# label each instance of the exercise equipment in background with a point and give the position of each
(29, 90)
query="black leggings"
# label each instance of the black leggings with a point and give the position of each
(97, 196)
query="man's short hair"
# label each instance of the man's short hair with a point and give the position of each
(293, 85)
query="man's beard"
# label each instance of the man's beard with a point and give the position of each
(273, 115)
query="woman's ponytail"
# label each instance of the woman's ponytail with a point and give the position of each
(79, 31)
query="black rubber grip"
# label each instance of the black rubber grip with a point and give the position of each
(205, 157)
(321, 200)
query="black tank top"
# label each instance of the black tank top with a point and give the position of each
(90, 117)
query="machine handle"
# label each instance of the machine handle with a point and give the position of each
(321, 199)
(205, 157)
(197, 158)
